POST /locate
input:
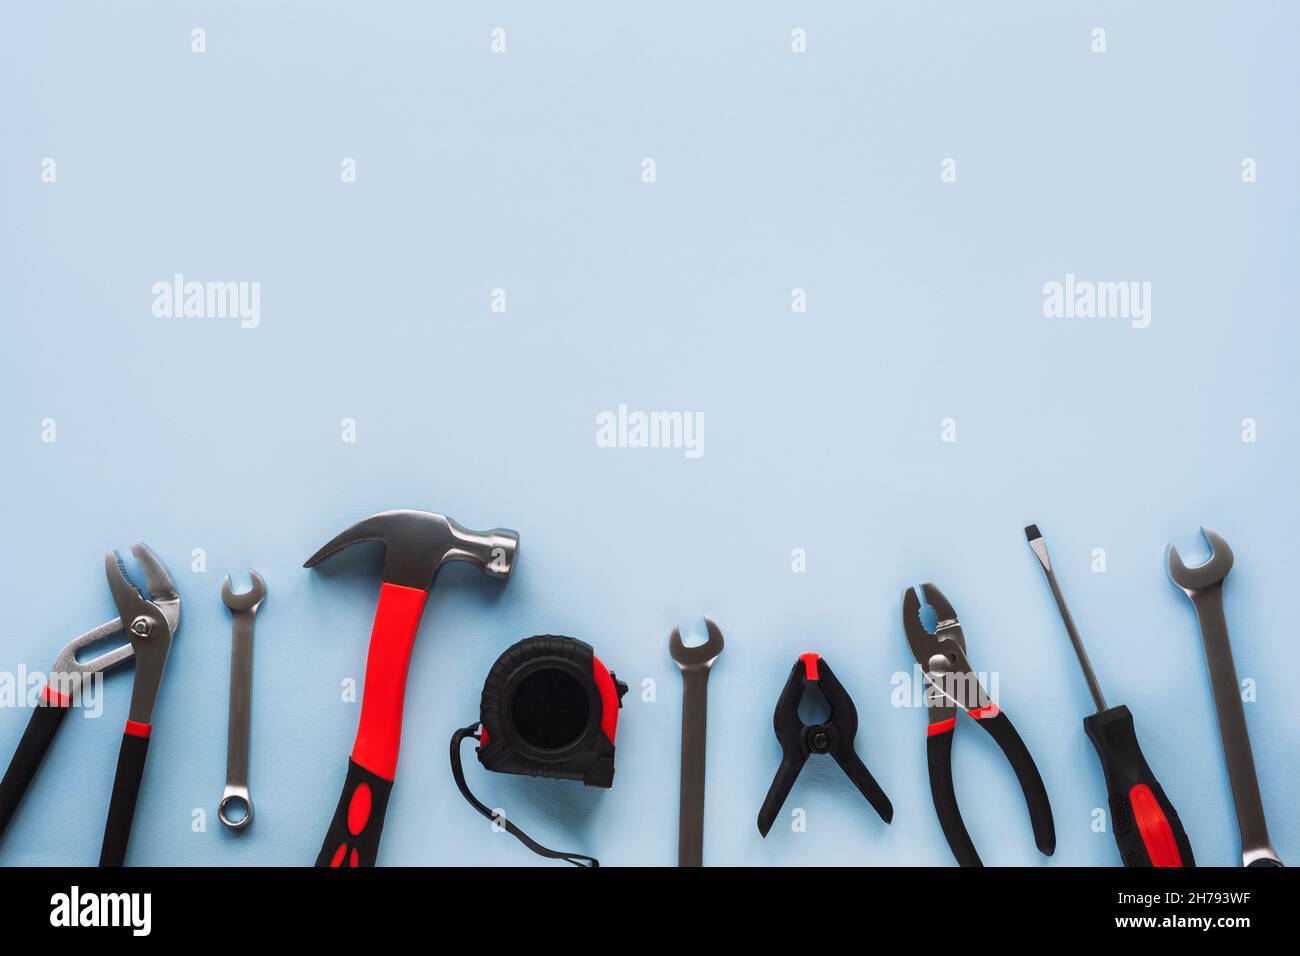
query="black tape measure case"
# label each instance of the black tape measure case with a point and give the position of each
(549, 709)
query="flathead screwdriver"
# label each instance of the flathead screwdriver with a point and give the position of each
(1146, 825)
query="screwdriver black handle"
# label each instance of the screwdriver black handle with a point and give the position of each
(1146, 825)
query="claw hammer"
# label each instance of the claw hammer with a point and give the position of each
(417, 546)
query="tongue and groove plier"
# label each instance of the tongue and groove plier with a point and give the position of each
(952, 685)
(149, 624)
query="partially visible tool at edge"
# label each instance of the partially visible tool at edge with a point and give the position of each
(67, 679)
(1146, 825)
(1204, 586)
(236, 807)
(695, 663)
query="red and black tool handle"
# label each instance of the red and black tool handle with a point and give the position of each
(353, 835)
(36, 740)
(939, 756)
(1146, 825)
(126, 789)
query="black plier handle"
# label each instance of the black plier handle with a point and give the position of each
(939, 757)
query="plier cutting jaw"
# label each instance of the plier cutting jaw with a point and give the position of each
(952, 685)
(149, 624)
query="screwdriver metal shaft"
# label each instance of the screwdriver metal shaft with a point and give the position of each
(1145, 824)
(1040, 550)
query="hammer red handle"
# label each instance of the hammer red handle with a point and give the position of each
(353, 835)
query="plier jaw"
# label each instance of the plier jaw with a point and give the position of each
(950, 681)
(149, 622)
(834, 736)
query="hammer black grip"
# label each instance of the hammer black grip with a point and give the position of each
(353, 835)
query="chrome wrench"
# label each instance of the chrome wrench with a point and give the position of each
(695, 663)
(1204, 586)
(243, 608)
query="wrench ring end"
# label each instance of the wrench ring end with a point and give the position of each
(236, 797)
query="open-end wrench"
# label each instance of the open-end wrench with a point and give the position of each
(1204, 585)
(243, 608)
(695, 663)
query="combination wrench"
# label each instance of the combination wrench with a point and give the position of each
(1204, 586)
(236, 807)
(695, 663)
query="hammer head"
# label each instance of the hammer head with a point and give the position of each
(418, 543)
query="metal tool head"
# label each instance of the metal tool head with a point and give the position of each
(1206, 575)
(418, 543)
(247, 600)
(702, 655)
(150, 622)
(950, 680)
(67, 661)
(160, 587)
(924, 644)
(162, 597)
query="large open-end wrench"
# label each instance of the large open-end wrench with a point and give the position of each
(1204, 585)
(236, 807)
(695, 663)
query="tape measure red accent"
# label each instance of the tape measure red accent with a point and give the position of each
(608, 698)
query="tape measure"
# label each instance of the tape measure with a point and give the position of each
(549, 709)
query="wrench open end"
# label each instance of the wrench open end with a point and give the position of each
(699, 655)
(1206, 575)
(247, 600)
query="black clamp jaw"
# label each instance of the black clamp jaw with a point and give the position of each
(799, 740)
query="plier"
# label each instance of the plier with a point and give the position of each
(799, 741)
(149, 624)
(951, 684)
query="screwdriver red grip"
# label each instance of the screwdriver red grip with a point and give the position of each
(1147, 829)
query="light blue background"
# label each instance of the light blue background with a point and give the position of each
(775, 171)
